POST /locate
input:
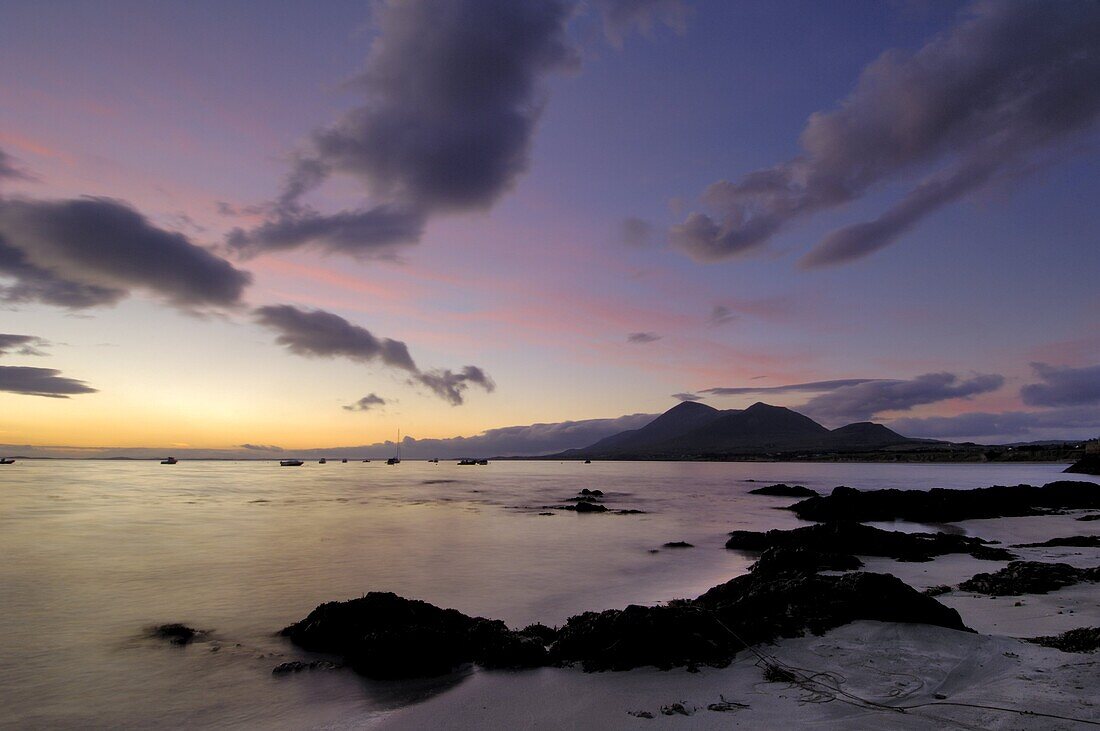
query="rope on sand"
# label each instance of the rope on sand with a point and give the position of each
(825, 687)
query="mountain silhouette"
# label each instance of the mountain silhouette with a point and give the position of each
(692, 429)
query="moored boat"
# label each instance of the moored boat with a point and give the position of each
(7, 460)
(290, 463)
(170, 460)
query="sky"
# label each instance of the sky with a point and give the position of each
(264, 226)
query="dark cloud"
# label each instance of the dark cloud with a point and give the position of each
(260, 447)
(451, 99)
(451, 386)
(1063, 386)
(635, 232)
(862, 401)
(21, 344)
(810, 387)
(721, 315)
(687, 397)
(87, 252)
(623, 16)
(1004, 424)
(40, 382)
(1010, 81)
(642, 337)
(373, 232)
(9, 170)
(366, 403)
(320, 334)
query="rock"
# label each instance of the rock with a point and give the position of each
(938, 590)
(629, 512)
(1092, 516)
(587, 508)
(1087, 465)
(801, 559)
(678, 544)
(864, 540)
(747, 610)
(675, 709)
(597, 493)
(1083, 639)
(1029, 577)
(641, 714)
(297, 666)
(939, 505)
(1073, 541)
(382, 635)
(177, 634)
(784, 490)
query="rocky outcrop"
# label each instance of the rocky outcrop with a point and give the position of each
(1087, 465)
(1070, 541)
(382, 635)
(864, 540)
(944, 506)
(1029, 577)
(784, 490)
(1083, 639)
(177, 634)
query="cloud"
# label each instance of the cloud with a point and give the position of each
(1063, 386)
(21, 344)
(451, 94)
(451, 386)
(687, 397)
(376, 231)
(260, 447)
(87, 252)
(320, 334)
(622, 16)
(10, 171)
(721, 315)
(862, 401)
(812, 386)
(366, 403)
(635, 232)
(40, 382)
(1004, 424)
(1008, 82)
(642, 337)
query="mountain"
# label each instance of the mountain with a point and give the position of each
(692, 429)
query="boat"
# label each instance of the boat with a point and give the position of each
(465, 462)
(366, 460)
(343, 461)
(396, 459)
(322, 461)
(290, 463)
(588, 461)
(483, 461)
(6, 460)
(170, 460)
(434, 461)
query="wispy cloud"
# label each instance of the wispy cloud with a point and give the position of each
(641, 338)
(367, 403)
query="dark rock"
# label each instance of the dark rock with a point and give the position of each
(629, 512)
(585, 491)
(597, 493)
(297, 666)
(1087, 465)
(177, 634)
(942, 506)
(1083, 639)
(864, 540)
(784, 490)
(583, 499)
(1091, 516)
(726, 706)
(802, 559)
(745, 611)
(1072, 541)
(382, 635)
(641, 714)
(1029, 577)
(937, 590)
(588, 508)
(675, 709)
(678, 544)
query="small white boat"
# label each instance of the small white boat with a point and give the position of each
(170, 460)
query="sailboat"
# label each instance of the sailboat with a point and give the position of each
(396, 459)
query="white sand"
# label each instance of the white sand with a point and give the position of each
(891, 664)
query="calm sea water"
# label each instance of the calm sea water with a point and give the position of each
(95, 552)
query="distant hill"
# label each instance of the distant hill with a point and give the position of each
(692, 429)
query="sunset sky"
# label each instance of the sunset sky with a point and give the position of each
(310, 224)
